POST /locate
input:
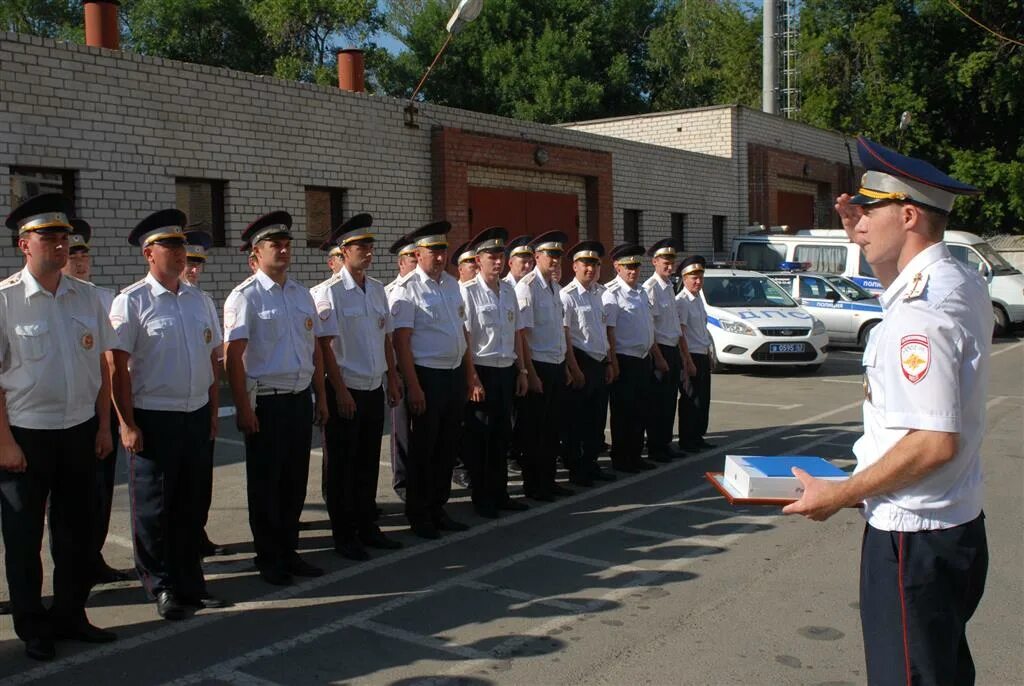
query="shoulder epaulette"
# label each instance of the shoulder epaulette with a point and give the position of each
(613, 286)
(247, 282)
(134, 287)
(528, 279)
(12, 280)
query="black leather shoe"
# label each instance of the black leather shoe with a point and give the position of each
(298, 567)
(627, 468)
(40, 649)
(211, 549)
(560, 490)
(704, 445)
(108, 575)
(351, 549)
(85, 632)
(207, 602)
(169, 607)
(275, 576)
(660, 458)
(513, 505)
(425, 530)
(675, 453)
(603, 475)
(542, 496)
(644, 466)
(580, 480)
(377, 539)
(486, 512)
(5, 607)
(446, 523)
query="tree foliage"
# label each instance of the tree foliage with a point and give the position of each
(50, 18)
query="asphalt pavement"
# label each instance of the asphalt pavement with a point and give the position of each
(652, 579)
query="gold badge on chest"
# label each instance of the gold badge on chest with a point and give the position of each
(87, 340)
(207, 334)
(309, 323)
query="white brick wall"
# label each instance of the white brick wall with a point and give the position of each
(129, 124)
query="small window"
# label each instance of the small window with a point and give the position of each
(28, 182)
(679, 228)
(830, 259)
(718, 233)
(631, 226)
(761, 257)
(324, 211)
(202, 201)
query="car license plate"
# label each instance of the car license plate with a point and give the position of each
(786, 347)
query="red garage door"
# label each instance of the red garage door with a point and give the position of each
(523, 211)
(796, 210)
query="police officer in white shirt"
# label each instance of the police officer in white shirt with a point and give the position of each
(924, 555)
(164, 386)
(273, 360)
(197, 249)
(80, 266)
(359, 362)
(587, 360)
(54, 414)
(492, 319)
(464, 261)
(519, 256)
(405, 249)
(432, 350)
(630, 326)
(540, 310)
(667, 333)
(695, 384)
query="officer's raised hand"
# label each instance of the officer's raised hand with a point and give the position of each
(11, 457)
(848, 214)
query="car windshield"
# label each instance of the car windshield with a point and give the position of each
(848, 288)
(745, 291)
(999, 264)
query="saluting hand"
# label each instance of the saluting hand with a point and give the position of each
(104, 444)
(131, 439)
(848, 214)
(11, 458)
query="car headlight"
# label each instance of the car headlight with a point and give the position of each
(737, 327)
(818, 328)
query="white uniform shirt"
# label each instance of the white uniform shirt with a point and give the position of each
(492, 320)
(281, 327)
(926, 368)
(629, 311)
(540, 310)
(694, 317)
(169, 337)
(585, 319)
(106, 297)
(50, 347)
(436, 314)
(360, 319)
(510, 280)
(666, 313)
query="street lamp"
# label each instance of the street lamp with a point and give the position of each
(467, 11)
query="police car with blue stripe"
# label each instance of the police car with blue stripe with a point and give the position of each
(847, 310)
(754, 322)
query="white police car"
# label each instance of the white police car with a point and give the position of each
(848, 311)
(754, 322)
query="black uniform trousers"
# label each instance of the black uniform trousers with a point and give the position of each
(541, 421)
(206, 496)
(695, 403)
(917, 592)
(587, 410)
(487, 434)
(352, 463)
(60, 467)
(276, 472)
(664, 388)
(434, 439)
(399, 446)
(630, 394)
(106, 475)
(166, 486)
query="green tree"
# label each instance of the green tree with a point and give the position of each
(543, 60)
(706, 52)
(221, 33)
(50, 18)
(306, 34)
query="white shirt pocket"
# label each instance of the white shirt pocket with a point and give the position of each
(33, 341)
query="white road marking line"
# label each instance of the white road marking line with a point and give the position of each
(995, 401)
(524, 597)
(431, 642)
(774, 405)
(1007, 349)
(230, 441)
(859, 383)
(267, 601)
(603, 565)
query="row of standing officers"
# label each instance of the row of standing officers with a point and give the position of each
(478, 370)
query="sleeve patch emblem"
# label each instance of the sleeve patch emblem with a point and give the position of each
(915, 357)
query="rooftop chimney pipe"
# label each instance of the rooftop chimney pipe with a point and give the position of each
(101, 27)
(769, 70)
(351, 70)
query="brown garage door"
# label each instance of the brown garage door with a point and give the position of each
(796, 210)
(523, 211)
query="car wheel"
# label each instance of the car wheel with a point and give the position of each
(862, 339)
(1001, 322)
(716, 366)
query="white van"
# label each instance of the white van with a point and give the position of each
(829, 251)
